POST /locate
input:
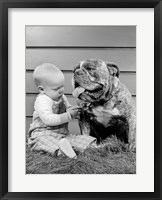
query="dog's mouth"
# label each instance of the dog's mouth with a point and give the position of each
(96, 93)
(84, 93)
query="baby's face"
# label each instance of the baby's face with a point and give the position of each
(54, 87)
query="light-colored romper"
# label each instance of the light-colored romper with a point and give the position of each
(42, 137)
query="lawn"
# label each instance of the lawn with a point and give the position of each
(112, 157)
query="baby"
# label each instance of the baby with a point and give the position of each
(52, 112)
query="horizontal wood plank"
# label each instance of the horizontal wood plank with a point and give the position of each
(30, 99)
(129, 79)
(73, 126)
(66, 59)
(102, 36)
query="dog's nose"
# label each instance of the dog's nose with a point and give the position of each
(79, 72)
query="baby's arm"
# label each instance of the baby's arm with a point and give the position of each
(43, 106)
(73, 110)
(67, 104)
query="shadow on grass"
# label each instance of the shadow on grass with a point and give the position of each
(112, 157)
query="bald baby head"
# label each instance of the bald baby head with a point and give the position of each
(49, 80)
(46, 73)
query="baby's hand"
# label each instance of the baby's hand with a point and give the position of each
(74, 111)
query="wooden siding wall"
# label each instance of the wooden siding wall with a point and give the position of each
(64, 46)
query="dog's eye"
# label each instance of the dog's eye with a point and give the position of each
(89, 69)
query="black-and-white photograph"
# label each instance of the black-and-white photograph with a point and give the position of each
(80, 99)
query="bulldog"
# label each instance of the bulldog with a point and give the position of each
(106, 104)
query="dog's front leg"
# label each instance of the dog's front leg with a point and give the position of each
(84, 118)
(84, 127)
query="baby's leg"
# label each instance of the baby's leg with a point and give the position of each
(82, 142)
(44, 140)
(43, 143)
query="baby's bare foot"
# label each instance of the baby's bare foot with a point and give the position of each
(66, 148)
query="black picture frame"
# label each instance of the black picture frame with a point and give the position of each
(4, 5)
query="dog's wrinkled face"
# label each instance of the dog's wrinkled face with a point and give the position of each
(93, 79)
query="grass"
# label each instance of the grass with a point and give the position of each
(112, 157)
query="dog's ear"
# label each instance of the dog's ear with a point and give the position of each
(113, 69)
